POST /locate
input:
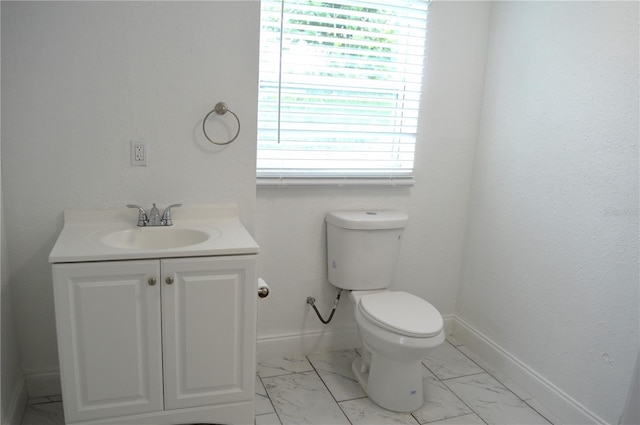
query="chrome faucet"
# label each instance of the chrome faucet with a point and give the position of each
(154, 219)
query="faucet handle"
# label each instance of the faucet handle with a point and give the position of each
(166, 215)
(142, 215)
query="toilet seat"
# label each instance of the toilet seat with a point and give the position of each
(401, 313)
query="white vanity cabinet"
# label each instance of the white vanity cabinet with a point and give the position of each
(168, 340)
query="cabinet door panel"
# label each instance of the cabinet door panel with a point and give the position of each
(208, 330)
(108, 323)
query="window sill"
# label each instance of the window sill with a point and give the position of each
(333, 182)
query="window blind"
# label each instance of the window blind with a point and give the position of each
(340, 86)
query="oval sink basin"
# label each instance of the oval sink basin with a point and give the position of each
(154, 238)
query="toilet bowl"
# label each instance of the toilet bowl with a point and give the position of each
(397, 330)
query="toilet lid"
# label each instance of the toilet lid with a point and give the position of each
(402, 313)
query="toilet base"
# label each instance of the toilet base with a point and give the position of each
(389, 383)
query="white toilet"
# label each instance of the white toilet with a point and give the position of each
(397, 328)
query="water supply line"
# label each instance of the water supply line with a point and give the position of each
(312, 302)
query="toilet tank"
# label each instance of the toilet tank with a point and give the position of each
(362, 248)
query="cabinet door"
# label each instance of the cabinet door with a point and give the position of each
(109, 343)
(209, 330)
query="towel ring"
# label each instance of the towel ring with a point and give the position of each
(221, 108)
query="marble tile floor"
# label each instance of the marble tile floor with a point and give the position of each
(44, 411)
(321, 389)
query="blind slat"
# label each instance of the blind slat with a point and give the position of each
(340, 87)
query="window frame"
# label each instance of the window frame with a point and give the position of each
(353, 176)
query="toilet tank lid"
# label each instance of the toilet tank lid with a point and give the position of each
(370, 219)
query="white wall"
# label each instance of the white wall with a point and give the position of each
(551, 261)
(79, 81)
(12, 391)
(290, 221)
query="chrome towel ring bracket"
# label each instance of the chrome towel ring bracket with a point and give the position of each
(221, 108)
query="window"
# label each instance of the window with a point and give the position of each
(340, 86)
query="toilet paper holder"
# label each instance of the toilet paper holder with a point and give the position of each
(263, 288)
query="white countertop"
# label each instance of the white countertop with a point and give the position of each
(81, 235)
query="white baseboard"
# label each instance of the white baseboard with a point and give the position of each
(18, 404)
(43, 384)
(270, 346)
(561, 405)
(448, 323)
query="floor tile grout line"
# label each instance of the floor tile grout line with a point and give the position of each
(536, 410)
(467, 357)
(31, 410)
(327, 387)
(42, 402)
(285, 372)
(454, 417)
(464, 402)
(501, 383)
(265, 390)
(432, 372)
(453, 392)
(471, 374)
(354, 398)
(414, 417)
(464, 376)
(270, 401)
